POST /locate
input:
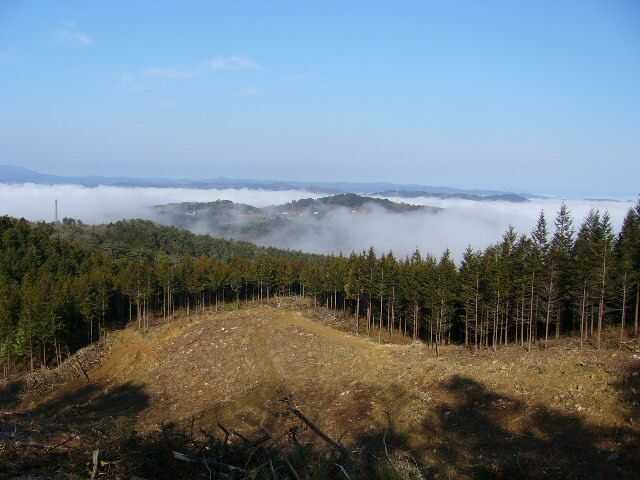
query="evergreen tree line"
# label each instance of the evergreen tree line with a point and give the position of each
(62, 286)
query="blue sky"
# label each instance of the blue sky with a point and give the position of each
(543, 97)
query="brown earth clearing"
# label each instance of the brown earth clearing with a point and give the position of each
(221, 395)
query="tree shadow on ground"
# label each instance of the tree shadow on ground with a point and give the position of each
(10, 393)
(84, 406)
(482, 434)
(471, 432)
(628, 388)
(64, 430)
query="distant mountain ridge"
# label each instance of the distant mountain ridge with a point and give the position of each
(493, 197)
(18, 175)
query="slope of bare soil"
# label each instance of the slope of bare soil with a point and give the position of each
(559, 413)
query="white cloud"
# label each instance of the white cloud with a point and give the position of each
(106, 203)
(168, 73)
(479, 224)
(214, 64)
(69, 34)
(231, 63)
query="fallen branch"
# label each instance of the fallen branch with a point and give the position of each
(386, 450)
(62, 443)
(257, 445)
(206, 462)
(96, 461)
(317, 431)
(226, 433)
(242, 437)
(30, 443)
(13, 414)
(184, 458)
(206, 465)
(342, 469)
(295, 474)
(82, 370)
(22, 440)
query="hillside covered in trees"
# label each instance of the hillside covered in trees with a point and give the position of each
(62, 285)
(278, 224)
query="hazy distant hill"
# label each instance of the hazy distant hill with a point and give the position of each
(356, 203)
(14, 174)
(244, 222)
(222, 217)
(494, 197)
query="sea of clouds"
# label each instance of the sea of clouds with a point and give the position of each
(105, 204)
(461, 223)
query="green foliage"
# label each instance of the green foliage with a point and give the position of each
(62, 285)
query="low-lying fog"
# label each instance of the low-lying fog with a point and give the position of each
(461, 223)
(107, 204)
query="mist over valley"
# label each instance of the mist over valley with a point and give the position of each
(305, 220)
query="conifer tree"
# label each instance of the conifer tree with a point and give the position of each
(470, 291)
(627, 253)
(560, 256)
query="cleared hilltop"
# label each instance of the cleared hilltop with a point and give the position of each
(228, 387)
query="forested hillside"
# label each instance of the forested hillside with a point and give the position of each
(143, 236)
(61, 286)
(351, 201)
(277, 225)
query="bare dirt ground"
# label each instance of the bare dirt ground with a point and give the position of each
(559, 413)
